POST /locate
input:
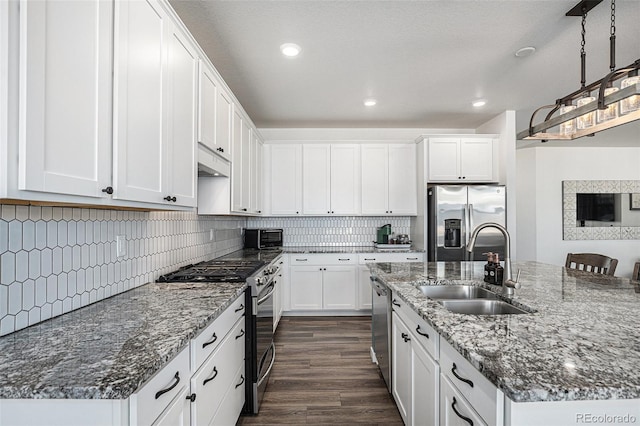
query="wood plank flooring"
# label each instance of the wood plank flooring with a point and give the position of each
(323, 374)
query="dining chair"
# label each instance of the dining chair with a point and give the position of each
(591, 262)
(636, 272)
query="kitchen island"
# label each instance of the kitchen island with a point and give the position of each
(579, 344)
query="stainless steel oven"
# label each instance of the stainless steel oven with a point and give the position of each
(263, 286)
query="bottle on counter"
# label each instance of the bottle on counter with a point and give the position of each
(499, 270)
(489, 268)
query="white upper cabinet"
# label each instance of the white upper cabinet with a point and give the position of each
(65, 97)
(248, 153)
(241, 177)
(139, 93)
(345, 179)
(460, 159)
(224, 113)
(316, 179)
(215, 112)
(180, 161)
(236, 163)
(155, 105)
(257, 150)
(286, 179)
(389, 179)
(207, 97)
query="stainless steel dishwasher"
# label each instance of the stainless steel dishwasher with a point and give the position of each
(381, 327)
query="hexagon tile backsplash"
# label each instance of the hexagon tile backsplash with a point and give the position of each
(54, 260)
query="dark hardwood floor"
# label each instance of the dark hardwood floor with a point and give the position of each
(323, 374)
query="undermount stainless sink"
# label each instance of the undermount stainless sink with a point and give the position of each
(481, 307)
(456, 292)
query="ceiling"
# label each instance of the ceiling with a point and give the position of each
(424, 61)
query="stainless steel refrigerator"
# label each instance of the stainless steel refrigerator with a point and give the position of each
(454, 211)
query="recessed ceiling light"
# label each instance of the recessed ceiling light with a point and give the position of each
(525, 51)
(479, 102)
(370, 102)
(290, 49)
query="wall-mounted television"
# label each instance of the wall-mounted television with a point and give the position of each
(597, 207)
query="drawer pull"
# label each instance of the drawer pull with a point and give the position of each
(239, 309)
(241, 381)
(462, 379)
(369, 259)
(301, 260)
(395, 303)
(343, 260)
(192, 397)
(420, 332)
(215, 374)
(213, 339)
(163, 391)
(466, 419)
(240, 335)
(406, 338)
(412, 258)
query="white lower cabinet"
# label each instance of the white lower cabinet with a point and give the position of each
(178, 413)
(233, 401)
(415, 372)
(454, 409)
(323, 282)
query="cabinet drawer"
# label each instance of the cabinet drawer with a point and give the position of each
(155, 396)
(231, 406)
(454, 409)
(480, 392)
(390, 257)
(323, 259)
(207, 341)
(216, 375)
(423, 332)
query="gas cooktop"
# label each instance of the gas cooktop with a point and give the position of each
(214, 271)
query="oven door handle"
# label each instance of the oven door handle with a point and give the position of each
(262, 299)
(273, 359)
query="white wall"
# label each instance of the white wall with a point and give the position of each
(541, 170)
(505, 126)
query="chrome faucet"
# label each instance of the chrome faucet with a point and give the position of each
(509, 283)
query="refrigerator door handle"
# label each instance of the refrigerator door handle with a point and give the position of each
(470, 223)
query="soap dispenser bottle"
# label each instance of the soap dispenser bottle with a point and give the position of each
(489, 268)
(499, 270)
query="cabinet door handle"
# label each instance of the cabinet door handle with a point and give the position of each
(192, 397)
(462, 379)
(412, 258)
(108, 190)
(240, 335)
(420, 332)
(405, 336)
(301, 260)
(240, 308)
(213, 339)
(170, 198)
(241, 381)
(215, 374)
(466, 419)
(395, 303)
(163, 391)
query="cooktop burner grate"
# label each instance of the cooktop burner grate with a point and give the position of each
(214, 271)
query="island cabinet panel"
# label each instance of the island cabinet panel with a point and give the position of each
(454, 409)
(415, 373)
(480, 393)
(562, 413)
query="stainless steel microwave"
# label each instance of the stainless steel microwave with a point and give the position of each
(262, 238)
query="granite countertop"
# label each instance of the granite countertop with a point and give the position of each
(581, 343)
(108, 349)
(266, 255)
(344, 249)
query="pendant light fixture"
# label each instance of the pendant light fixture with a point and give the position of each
(595, 107)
